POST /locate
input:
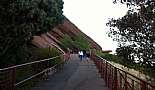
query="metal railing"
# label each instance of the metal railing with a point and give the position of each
(117, 79)
(24, 76)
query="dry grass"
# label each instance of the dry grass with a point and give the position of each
(133, 72)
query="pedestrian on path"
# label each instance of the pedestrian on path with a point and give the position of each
(87, 55)
(84, 54)
(80, 55)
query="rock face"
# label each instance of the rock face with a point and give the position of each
(52, 38)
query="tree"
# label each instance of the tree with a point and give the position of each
(127, 54)
(20, 20)
(136, 30)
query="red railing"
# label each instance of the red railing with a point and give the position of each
(117, 79)
(22, 77)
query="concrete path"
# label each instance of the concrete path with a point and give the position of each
(76, 75)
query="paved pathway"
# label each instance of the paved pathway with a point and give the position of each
(76, 75)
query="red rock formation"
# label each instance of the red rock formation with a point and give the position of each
(56, 34)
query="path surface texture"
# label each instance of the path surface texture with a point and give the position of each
(75, 75)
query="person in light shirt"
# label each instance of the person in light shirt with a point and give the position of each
(80, 54)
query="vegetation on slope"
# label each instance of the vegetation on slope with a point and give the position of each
(78, 42)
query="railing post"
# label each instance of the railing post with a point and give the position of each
(133, 84)
(143, 85)
(102, 70)
(103, 74)
(100, 66)
(126, 85)
(106, 73)
(115, 79)
(120, 82)
(13, 78)
(110, 77)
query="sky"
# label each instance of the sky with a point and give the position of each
(91, 16)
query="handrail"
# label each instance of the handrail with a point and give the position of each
(37, 69)
(118, 79)
(34, 75)
(126, 72)
(28, 63)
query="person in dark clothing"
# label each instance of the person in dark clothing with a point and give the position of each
(88, 54)
(84, 54)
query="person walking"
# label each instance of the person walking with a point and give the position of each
(84, 54)
(80, 55)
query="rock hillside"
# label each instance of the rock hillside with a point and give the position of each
(53, 37)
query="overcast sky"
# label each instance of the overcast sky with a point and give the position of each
(90, 16)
